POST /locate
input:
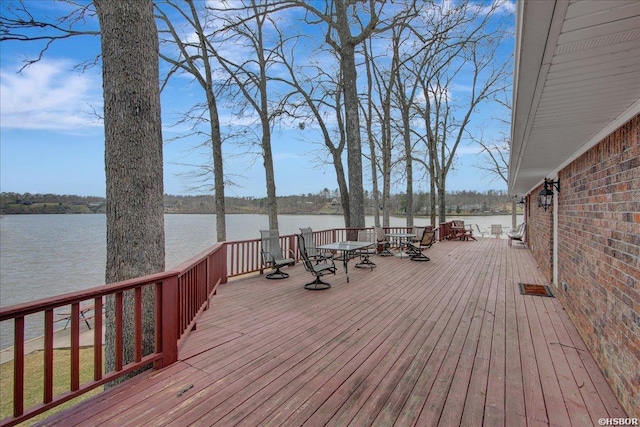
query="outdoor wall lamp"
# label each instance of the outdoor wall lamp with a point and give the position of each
(545, 197)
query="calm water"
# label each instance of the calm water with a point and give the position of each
(47, 255)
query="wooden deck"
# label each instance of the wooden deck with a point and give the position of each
(447, 342)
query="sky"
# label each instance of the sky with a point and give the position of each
(52, 140)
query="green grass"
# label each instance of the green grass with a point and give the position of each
(34, 388)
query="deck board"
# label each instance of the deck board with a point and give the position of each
(445, 342)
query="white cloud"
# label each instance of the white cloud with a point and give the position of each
(468, 149)
(48, 96)
(496, 6)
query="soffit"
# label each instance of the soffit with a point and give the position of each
(577, 79)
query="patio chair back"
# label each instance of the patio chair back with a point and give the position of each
(428, 238)
(310, 246)
(367, 235)
(304, 252)
(481, 231)
(270, 241)
(418, 231)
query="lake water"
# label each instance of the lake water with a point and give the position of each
(47, 255)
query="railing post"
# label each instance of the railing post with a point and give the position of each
(292, 245)
(167, 333)
(221, 267)
(18, 367)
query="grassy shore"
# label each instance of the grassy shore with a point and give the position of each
(34, 374)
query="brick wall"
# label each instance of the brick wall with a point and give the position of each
(599, 255)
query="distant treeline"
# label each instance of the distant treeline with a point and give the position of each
(325, 202)
(27, 203)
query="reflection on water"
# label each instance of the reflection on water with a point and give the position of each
(47, 255)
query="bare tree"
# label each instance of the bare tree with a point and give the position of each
(417, 48)
(378, 110)
(244, 27)
(368, 114)
(18, 23)
(447, 115)
(495, 161)
(396, 61)
(495, 155)
(194, 57)
(321, 101)
(405, 92)
(337, 18)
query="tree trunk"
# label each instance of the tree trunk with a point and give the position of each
(199, 66)
(406, 123)
(373, 157)
(354, 145)
(374, 183)
(352, 118)
(387, 147)
(218, 172)
(214, 124)
(133, 161)
(432, 202)
(442, 203)
(386, 192)
(342, 186)
(432, 176)
(272, 201)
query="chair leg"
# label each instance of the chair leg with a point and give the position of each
(277, 274)
(365, 262)
(385, 249)
(317, 285)
(420, 257)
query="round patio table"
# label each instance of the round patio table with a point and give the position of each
(401, 240)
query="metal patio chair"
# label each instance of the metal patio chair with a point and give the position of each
(383, 244)
(319, 269)
(416, 251)
(517, 233)
(272, 254)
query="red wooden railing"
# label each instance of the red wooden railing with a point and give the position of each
(181, 295)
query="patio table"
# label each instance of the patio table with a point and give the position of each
(348, 249)
(401, 240)
(83, 313)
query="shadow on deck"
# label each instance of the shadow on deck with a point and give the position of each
(446, 342)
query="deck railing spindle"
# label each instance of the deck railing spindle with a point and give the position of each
(97, 339)
(18, 367)
(48, 357)
(75, 346)
(119, 315)
(138, 324)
